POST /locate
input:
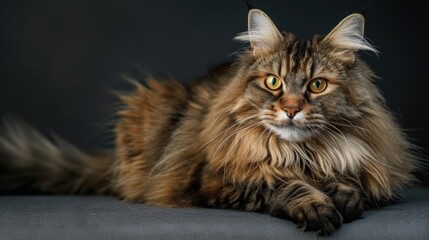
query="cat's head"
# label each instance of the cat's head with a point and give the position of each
(298, 88)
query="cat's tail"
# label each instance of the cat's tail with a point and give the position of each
(30, 162)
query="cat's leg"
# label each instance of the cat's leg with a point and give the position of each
(309, 207)
(296, 200)
(347, 198)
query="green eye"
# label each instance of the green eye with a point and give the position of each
(273, 83)
(317, 85)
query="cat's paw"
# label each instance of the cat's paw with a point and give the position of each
(347, 200)
(318, 216)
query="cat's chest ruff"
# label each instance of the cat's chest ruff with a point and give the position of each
(261, 156)
(325, 158)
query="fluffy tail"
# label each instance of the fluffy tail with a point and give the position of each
(30, 162)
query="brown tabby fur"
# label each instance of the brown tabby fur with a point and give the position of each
(207, 145)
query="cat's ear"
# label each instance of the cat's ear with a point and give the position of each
(262, 34)
(347, 38)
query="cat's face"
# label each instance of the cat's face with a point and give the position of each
(298, 89)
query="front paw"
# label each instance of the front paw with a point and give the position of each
(347, 199)
(317, 216)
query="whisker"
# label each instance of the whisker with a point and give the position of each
(242, 136)
(262, 134)
(330, 131)
(231, 135)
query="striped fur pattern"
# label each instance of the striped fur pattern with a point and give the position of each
(228, 140)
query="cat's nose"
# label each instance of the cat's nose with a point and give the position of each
(291, 110)
(292, 104)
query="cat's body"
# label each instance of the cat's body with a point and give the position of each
(292, 128)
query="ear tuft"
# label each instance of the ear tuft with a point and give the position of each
(347, 37)
(262, 34)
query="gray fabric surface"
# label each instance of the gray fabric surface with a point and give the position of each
(89, 217)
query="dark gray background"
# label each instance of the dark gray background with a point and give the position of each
(61, 59)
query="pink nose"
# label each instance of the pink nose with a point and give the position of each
(291, 110)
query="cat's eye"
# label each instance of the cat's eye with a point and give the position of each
(273, 83)
(317, 85)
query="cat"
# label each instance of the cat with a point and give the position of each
(292, 128)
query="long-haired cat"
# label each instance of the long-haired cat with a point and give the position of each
(293, 128)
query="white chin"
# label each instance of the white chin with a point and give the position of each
(291, 134)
